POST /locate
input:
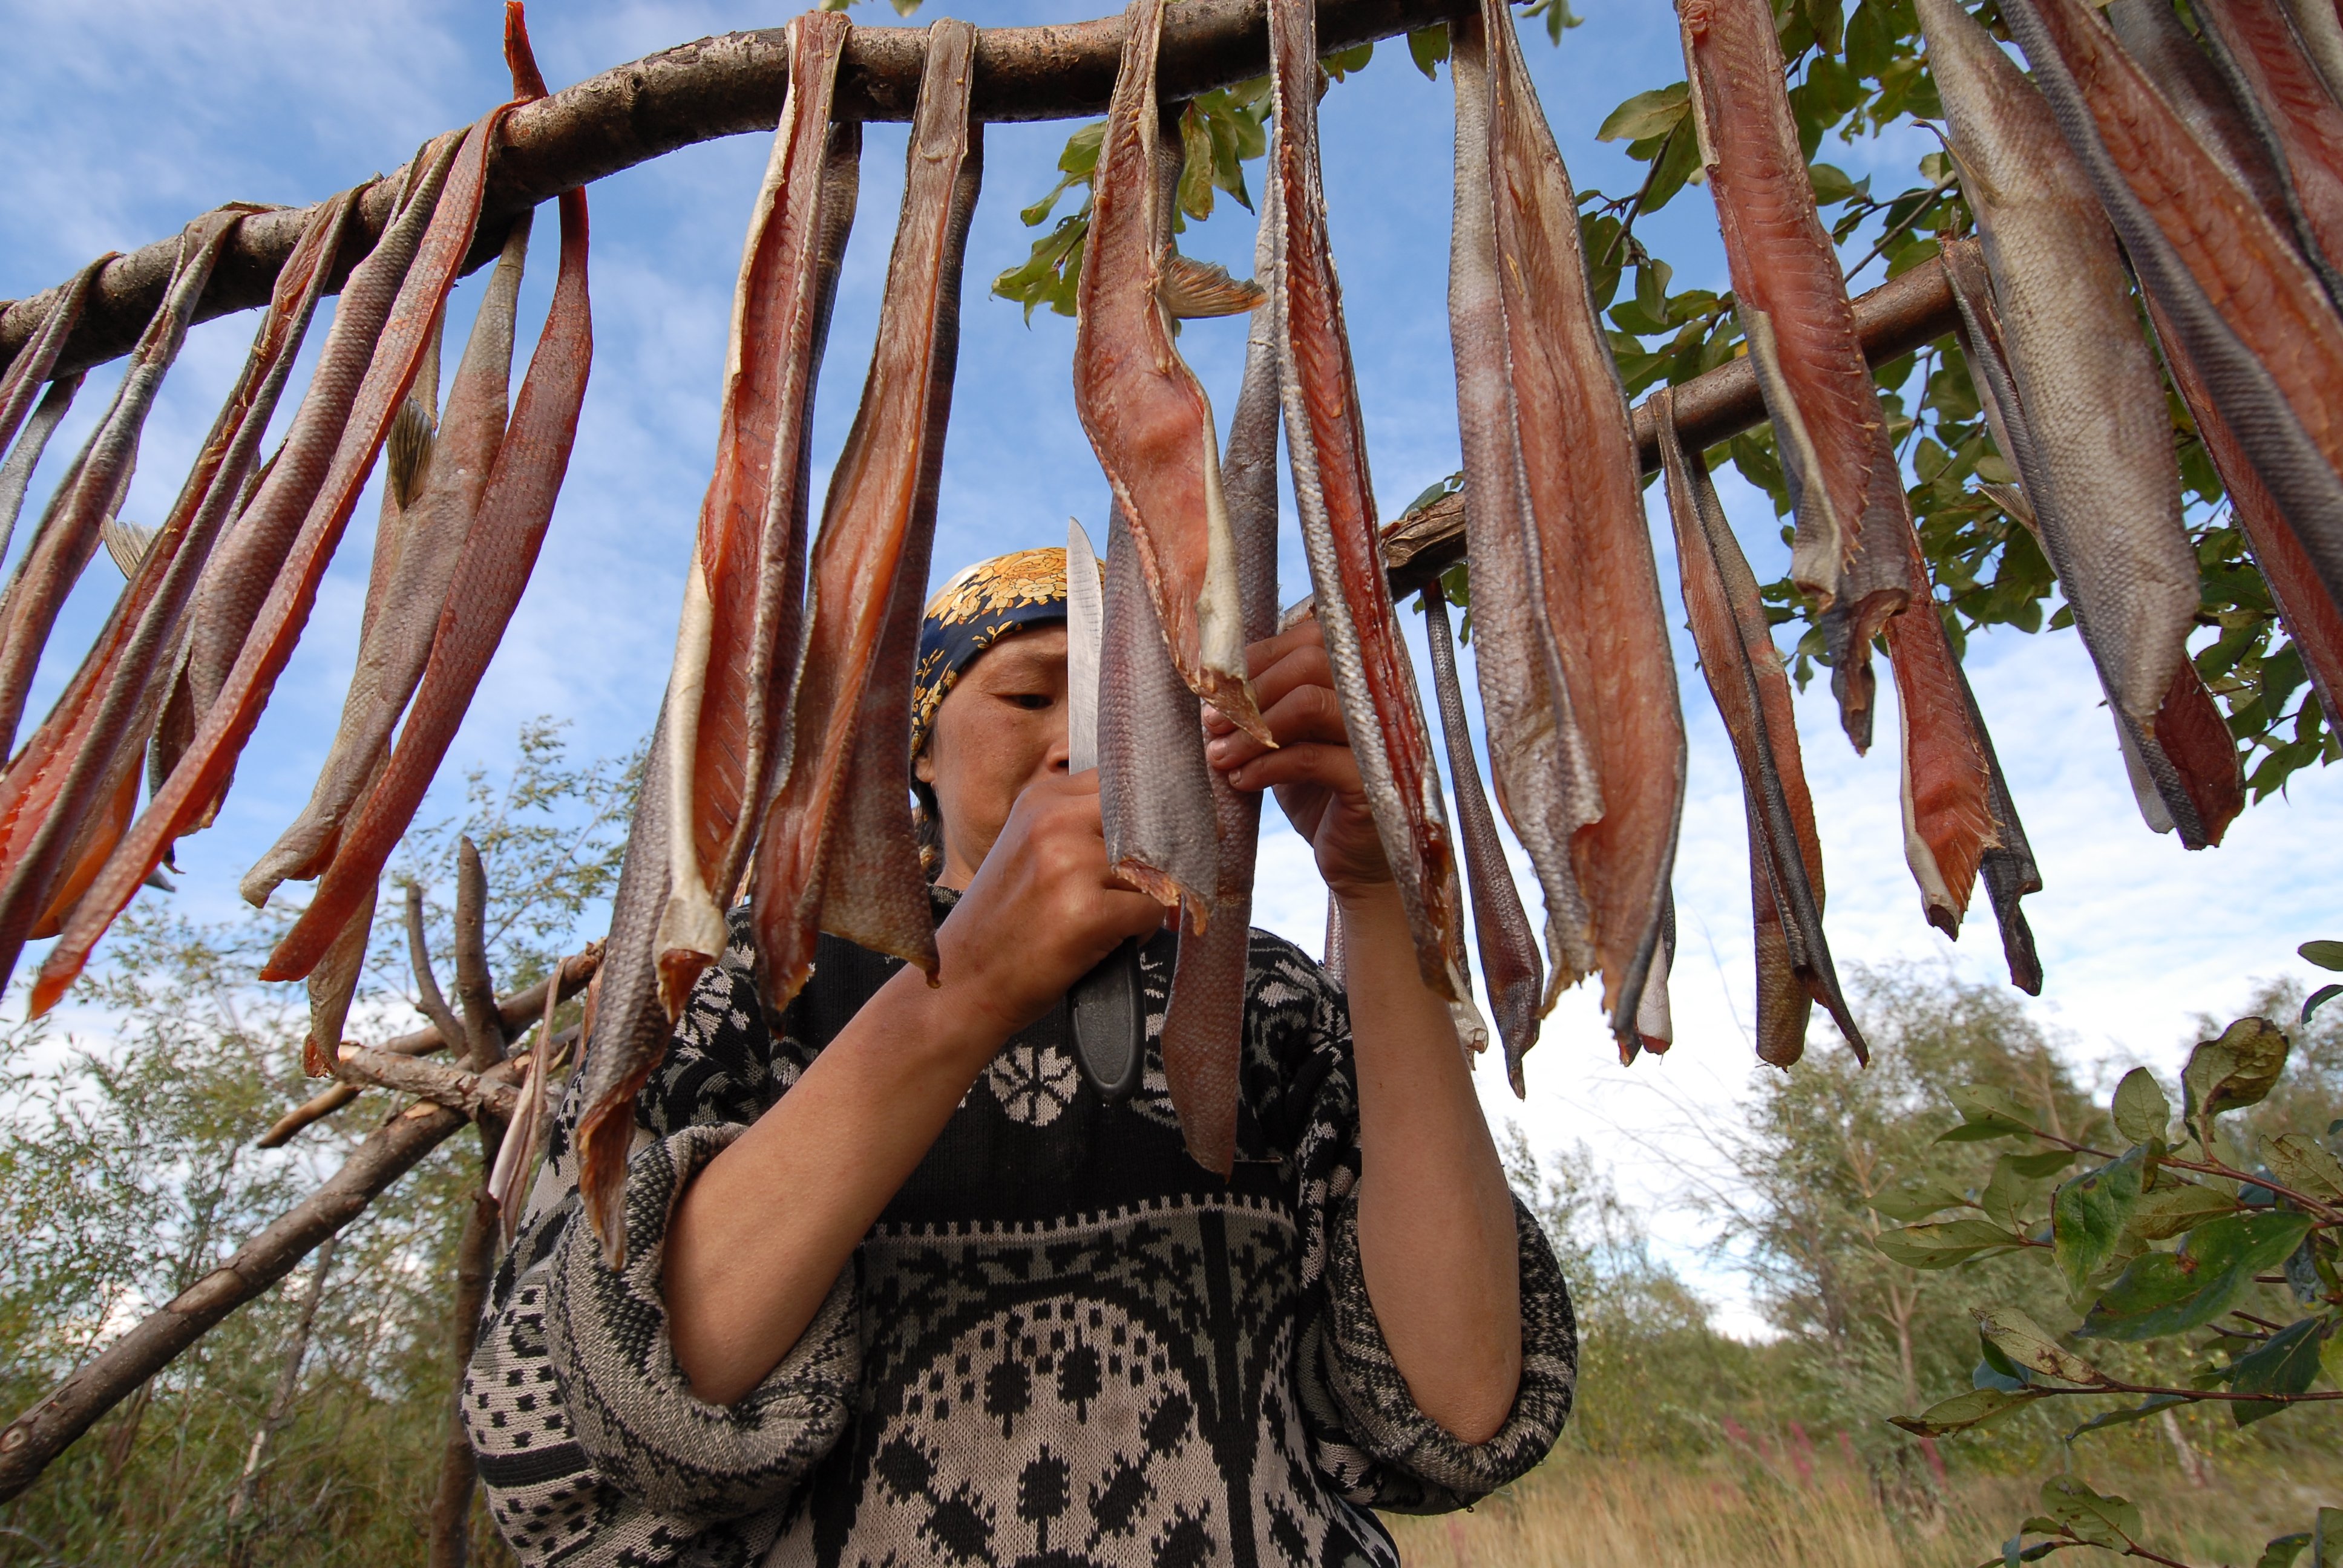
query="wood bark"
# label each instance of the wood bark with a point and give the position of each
(721, 86)
(41, 1433)
(454, 1088)
(513, 1013)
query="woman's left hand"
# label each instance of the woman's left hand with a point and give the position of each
(1313, 770)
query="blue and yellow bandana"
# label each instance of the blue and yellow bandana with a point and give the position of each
(981, 605)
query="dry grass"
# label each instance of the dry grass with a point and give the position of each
(1583, 1511)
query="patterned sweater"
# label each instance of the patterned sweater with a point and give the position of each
(1063, 1343)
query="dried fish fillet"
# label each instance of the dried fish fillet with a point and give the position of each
(1145, 412)
(2169, 55)
(1791, 297)
(1155, 793)
(1203, 1043)
(1744, 675)
(422, 537)
(38, 356)
(95, 734)
(2239, 302)
(2079, 407)
(498, 555)
(855, 870)
(2254, 45)
(93, 488)
(201, 773)
(732, 673)
(16, 473)
(1335, 497)
(1593, 548)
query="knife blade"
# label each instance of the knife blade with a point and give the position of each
(1107, 1009)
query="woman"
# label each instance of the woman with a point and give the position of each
(901, 1289)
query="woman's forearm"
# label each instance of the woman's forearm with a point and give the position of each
(764, 1230)
(1436, 1235)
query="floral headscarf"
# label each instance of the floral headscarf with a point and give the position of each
(981, 605)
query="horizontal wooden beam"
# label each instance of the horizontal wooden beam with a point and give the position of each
(724, 86)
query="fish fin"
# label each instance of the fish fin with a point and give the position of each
(2012, 499)
(410, 445)
(126, 542)
(1189, 289)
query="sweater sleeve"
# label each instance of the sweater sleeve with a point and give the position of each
(592, 1447)
(1366, 1433)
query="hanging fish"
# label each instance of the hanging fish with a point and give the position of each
(2238, 300)
(93, 488)
(1155, 789)
(437, 471)
(738, 638)
(499, 553)
(2320, 29)
(201, 773)
(1790, 296)
(1334, 494)
(2170, 57)
(1745, 675)
(38, 356)
(1145, 412)
(51, 823)
(16, 472)
(2253, 44)
(1203, 1043)
(1586, 551)
(837, 850)
(2080, 412)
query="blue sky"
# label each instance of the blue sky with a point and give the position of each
(124, 121)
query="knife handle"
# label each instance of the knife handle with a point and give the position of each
(1109, 1022)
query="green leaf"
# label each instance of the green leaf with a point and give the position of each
(2317, 1000)
(2009, 1191)
(2326, 955)
(2237, 1069)
(1427, 46)
(2172, 1293)
(1646, 114)
(2110, 1522)
(2181, 1206)
(1912, 1200)
(2286, 1362)
(1677, 161)
(2330, 1360)
(2040, 1167)
(2141, 1111)
(2089, 1214)
(1982, 1106)
(2153, 1404)
(1963, 1411)
(2297, 1159)
(2026, 1343)
(1831, 184)
(1342, 63)
(2281, 1552)
(1944, 1243)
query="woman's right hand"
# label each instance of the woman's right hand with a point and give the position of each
(1042, 909)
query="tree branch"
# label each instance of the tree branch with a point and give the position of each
(429, 1002)
(697, 92)
(514, 1011)
(476, 992)
(41, 1433)
(452, 1087)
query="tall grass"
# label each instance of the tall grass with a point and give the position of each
(1818, 1510)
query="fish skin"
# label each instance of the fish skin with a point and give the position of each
(1745, 675)
(331, 986)
(741, 619)
(2169, 55)
(2253, 45)
(1155, 794)
(1546, 780)
(1203, 1043)
(498, 555)
(2319, 28)
(1594, 554)
(1500, 928)
(1791, 298)
(2007, 865)
(2082, 413)
(1943, 780)
(200, 775)
(93, 488)
(625, 1029)
(419, 543)
(2312, 619)
(243, 569)
(16, 473)
(2242, 305)
(1656, 1028)
(34, 362)
(1335, 496)
(1146, 414)
(878, 523)
(107, 707)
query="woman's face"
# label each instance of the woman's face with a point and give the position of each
(1001, 727)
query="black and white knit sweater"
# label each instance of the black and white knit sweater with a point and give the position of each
(1063, 1343)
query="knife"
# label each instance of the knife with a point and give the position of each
(1109, 1010)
